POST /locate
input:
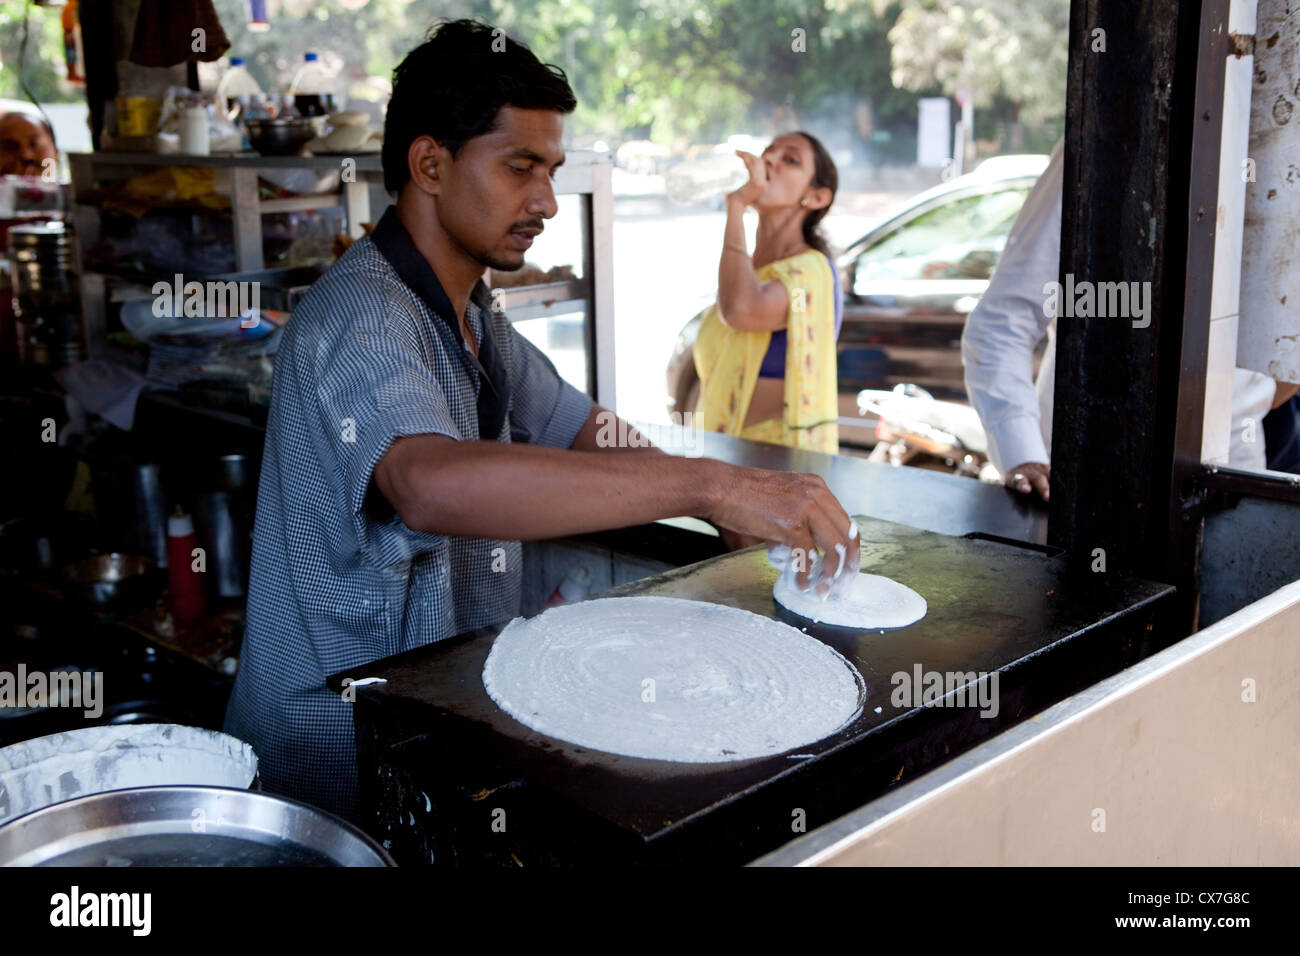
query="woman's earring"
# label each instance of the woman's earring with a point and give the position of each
(803, 202)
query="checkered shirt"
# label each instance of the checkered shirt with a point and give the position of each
(337, 579)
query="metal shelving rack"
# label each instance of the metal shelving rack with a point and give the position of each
(585, 174)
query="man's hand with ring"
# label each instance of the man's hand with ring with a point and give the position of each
(1029, 477)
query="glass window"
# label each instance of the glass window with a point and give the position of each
(961, 239)
(562, 339)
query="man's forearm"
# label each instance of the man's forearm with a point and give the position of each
(605, 431)
(525, 492)
(528, 492)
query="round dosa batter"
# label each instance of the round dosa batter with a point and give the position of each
(670, 679)
(872, 601)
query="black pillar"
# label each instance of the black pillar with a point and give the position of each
(1143, 119)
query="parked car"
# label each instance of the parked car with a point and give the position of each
(909, 284)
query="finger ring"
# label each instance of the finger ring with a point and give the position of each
(1018, 477)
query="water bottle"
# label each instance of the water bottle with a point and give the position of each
(574, 587)
(783, 558)
(708, 177)
(236, 85)
(313, 89)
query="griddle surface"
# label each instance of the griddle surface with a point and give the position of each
(992, 606)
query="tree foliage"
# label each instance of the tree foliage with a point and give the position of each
(672, 69)
(1011, 50)
(43, 70)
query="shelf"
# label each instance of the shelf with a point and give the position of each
(302, 203)
(246, 206)
(330, 200)
(366, 162)
(584, 173)
(546, 310)
(545, 294)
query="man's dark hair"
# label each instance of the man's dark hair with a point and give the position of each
(40, 118)
(452, 86)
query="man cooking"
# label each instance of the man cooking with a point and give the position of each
(415, 439)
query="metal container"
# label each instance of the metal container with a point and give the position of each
(185, 826)
(282, 136)
(47, 302)
(233, 473)
(25, 545)
(149, 513)
(119, 581)
(46, 770)
(223, 532)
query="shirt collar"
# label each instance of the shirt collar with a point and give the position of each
(392, 239)
(395, 244)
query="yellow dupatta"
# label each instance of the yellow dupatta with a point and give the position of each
(728, 362)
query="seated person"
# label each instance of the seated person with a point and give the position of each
(26, 142)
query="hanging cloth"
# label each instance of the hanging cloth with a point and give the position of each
(165, 33)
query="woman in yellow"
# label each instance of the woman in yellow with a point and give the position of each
(766, 352)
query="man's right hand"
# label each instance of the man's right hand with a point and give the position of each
(786, 508)
(1030, 476)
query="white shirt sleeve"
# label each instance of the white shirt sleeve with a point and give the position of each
(1252, 398)
(1001, 334)
(997, 345)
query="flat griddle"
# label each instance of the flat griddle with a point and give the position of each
(430, 737)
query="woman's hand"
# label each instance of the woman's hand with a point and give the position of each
(754, 189)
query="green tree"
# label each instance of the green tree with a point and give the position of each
(666, 69)
(1010, 54)
(43, 68)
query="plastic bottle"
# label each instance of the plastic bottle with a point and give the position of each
(186, 584)
(194, 135)
(73, 50)
(235, 83)
(574, 587)
(708, 177)
(313, 89)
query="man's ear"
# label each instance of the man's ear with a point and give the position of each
(425, 160)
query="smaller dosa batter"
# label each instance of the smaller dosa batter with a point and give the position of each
(871, 601)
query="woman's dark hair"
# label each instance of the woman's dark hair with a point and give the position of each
(825, 176)
(452, 86)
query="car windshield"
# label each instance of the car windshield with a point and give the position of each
(958, 240)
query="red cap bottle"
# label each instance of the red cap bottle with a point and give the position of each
(186, 582)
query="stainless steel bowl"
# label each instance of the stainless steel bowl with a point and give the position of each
(112, 580)
(281, 136)
(185, 826)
